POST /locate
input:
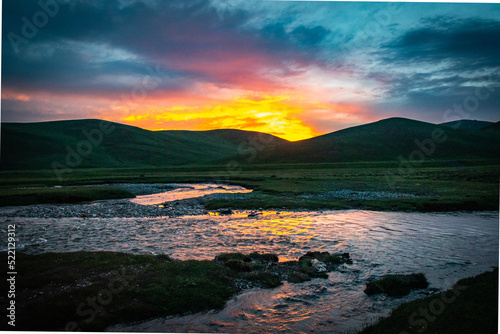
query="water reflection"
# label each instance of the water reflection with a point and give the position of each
(444, 246)
(186, 190)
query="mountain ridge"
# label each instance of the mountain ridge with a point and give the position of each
(40, 145)
(102, 144)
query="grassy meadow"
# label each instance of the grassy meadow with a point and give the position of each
(435, 186)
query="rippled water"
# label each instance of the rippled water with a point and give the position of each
(444, 246)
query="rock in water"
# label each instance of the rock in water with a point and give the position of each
(318, 265)
(397, 285)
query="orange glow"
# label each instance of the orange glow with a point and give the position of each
(7, 95)
(269, 114)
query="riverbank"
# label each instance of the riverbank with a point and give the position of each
(433, 186)
(470, 307)
(255, 201)
(91, 291)
(98, 290)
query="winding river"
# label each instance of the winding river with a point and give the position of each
(444, 246)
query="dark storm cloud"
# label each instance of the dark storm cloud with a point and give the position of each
(467, 43)
(442, 62)
(81, 43)
(186, 39)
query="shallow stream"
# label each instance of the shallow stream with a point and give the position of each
(444, 246)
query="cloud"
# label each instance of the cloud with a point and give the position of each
(428, 69)
(135, 61)
(93, 47)
(464, 43)
(279, 34)
(309, 36)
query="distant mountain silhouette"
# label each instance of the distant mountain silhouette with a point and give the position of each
(38, 145)
(102, 144)
(387, 140)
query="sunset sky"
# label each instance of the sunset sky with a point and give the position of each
(295, 69)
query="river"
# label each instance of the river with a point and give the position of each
(444, 246)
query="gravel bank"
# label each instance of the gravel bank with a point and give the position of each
(194, 206)
(114, 208)
(350, 194)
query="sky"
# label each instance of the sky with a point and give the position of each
(295, 69)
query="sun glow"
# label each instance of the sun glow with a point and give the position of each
(275, 115)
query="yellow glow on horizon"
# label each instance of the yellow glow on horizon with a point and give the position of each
(268, 114)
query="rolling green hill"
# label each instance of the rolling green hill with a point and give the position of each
(101, 144)
(387, 140)
(492, 127)
(96, 143)
(467, 124)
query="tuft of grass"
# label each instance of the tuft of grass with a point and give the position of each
(328, 258)
(238, 265)
(298, 277)
(265, 258)
(397, 285)
(265, 279)
(470, 307)
(225, 257)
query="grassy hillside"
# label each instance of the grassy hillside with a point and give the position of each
(100, 144)
(467, 124)
(38, 145)
(387, 140)
(492, 127)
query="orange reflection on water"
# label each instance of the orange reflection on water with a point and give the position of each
(271, 229)
(185, 191)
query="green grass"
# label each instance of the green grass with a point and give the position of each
(105, 144)
(438, 186)
(56, 291)
(471, 307)
(386, 140)
(102, 144)
(91, 291)
(397, 285)
(267, 280)
(72, 194)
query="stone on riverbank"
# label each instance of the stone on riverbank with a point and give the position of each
(265, 270)
(397, 285)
